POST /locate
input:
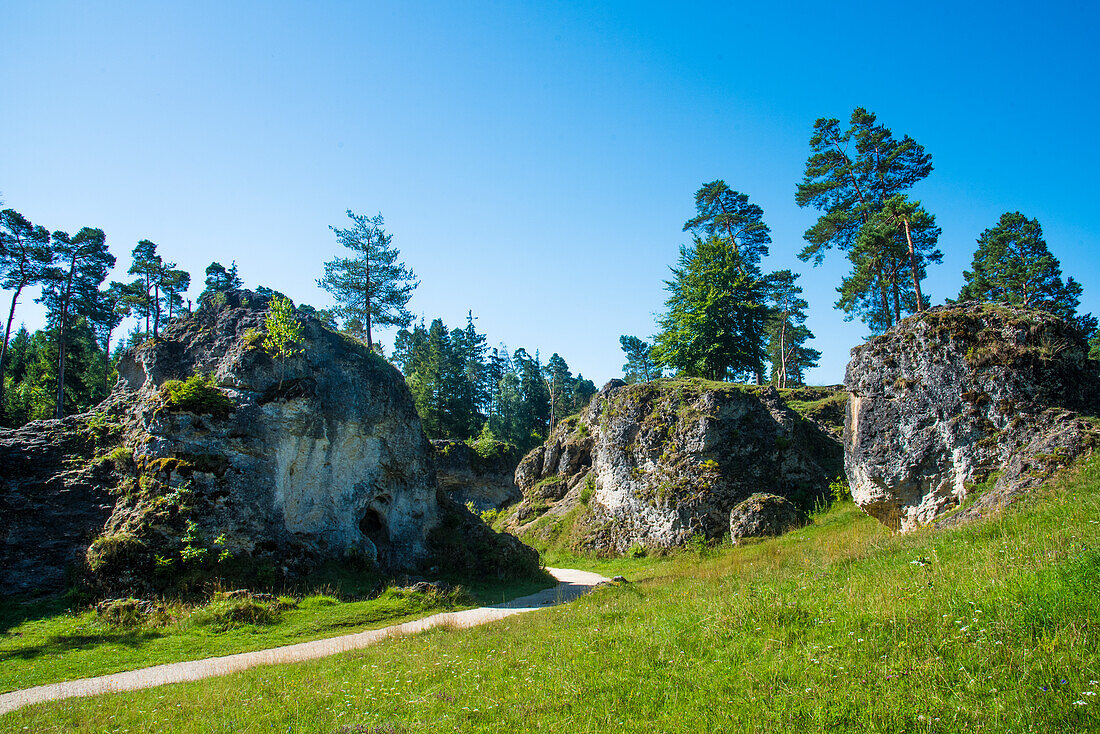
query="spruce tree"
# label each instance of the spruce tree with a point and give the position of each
(714, 325)
(1013, 264)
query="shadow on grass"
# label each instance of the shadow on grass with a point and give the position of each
(66, 643)
(16, 610)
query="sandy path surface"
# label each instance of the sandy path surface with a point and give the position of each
(571, 584)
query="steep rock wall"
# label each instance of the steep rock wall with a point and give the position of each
(265, 469)
(656, 463)
(955, 395)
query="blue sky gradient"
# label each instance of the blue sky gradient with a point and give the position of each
(534, 161)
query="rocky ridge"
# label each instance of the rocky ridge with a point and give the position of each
(960, 395)
(483, 482)
(657, 463)
(224, 462)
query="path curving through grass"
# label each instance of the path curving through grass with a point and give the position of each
(571, 584)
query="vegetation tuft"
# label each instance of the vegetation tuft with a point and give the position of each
(197, 394)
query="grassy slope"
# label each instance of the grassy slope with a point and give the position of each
(45, 643)
(840, 626)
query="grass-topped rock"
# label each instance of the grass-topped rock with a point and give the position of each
(657, 464)
(949, 398)
(221, 463)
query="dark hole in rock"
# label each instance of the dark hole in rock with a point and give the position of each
(373, 526)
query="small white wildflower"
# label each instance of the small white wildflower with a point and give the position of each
(1078, 702)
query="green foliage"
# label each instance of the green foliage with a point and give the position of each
(1013, 264)
(714, 325)
(371, 286)
(117, 550)
(199, 393)
(487, 446)
(226, 613)
(193, 552)
(639, 366)
(588, 490)
(787, 332)
(461, 388)
(857, 177)
(284, 331)
(839, 490)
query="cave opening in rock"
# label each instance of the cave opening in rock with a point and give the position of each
(373, 526)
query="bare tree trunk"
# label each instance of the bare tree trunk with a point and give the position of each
(107, 366)
(4, 348)
(783, 354)
(63, 334)
(913, 266)
(156, 311)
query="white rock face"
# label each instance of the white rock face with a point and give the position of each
(664, 461)
(949, 397)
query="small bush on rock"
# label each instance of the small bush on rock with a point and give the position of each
(197, 394)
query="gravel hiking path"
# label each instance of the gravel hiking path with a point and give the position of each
(571, 584)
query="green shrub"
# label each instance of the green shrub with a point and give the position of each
(120, 457)
(226, 613)
(125, 613)
(197, 394)
(109, 552)
(489, 516)
(637, 551)
(839, 490)
(589, 488)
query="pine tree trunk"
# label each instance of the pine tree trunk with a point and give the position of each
(885, 299)
(156, 311)
(783, 354)
(63, 334)
(897, 296)
(4, 348)
(107, 367)
(913, 266)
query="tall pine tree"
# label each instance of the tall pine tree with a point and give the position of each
(371, 286)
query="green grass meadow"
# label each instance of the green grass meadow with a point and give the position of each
(841, 626)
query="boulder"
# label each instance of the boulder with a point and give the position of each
(765, 515)
(653, 464)
(244, 467)
(485, 482)
(960, 395)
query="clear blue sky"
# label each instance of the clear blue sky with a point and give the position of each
(535, 161)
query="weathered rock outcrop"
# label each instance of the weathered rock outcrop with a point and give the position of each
(959, 395)
(486, 482)
(654, 464)
(262, 467)
(765, 515)
(54, 498)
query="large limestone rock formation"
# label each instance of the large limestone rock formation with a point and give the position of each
(654, 464)
(960, 395)
(485, 482)
(263, 466)
(54, 498)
